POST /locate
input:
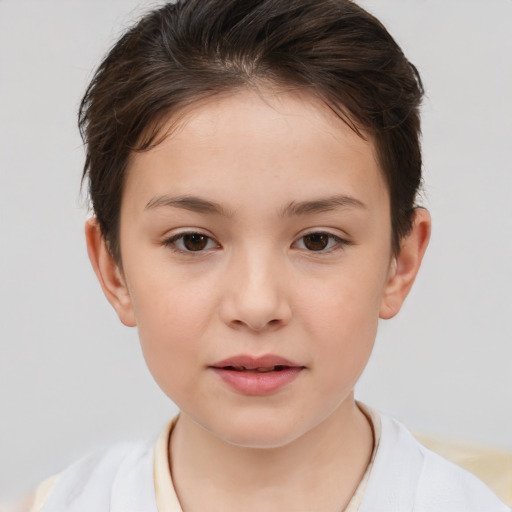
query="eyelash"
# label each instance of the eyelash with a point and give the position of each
(334, 242)
(173, 241)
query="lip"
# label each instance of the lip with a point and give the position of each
(257, 376)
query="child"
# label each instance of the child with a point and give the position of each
(253, 168)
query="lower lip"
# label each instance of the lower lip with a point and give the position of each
(257, 383)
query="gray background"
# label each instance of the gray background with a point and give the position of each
(72, 378)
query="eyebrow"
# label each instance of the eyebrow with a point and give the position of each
(322, 205)
(191, 203)
(200, 205)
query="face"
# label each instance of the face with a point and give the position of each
(256, 250)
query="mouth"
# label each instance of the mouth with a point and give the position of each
(259, 369)
(257, 375)
(262, 364)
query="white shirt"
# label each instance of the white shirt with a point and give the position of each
(403, 476)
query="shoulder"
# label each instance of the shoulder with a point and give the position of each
(445, 484)
(408, 477)
(119, 479)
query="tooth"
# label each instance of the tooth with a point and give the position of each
(259, 369)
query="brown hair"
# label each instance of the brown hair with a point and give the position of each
(193, 49)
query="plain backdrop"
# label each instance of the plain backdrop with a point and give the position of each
(72, 378)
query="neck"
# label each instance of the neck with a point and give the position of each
(319, 471)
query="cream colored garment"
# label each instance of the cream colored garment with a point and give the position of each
(166, 498)
(493, 467)
(42, 492)
(403, 476)
(165, 494)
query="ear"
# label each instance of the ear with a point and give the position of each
(109, 274)
(405, 265)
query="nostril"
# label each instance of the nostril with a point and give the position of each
(275, 322)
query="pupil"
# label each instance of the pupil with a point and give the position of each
(316, 241)
(195, 242)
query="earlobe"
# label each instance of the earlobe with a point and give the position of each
(405, 265)
(108, 273)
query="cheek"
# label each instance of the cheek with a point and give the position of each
(169, 303)
(347, 301)
(171, 320)
(342, 316)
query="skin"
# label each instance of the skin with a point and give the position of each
(257, 288)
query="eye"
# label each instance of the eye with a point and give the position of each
(191, 242)
(319, 242)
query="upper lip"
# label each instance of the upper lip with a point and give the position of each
(250, 362)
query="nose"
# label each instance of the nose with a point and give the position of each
(255, 294)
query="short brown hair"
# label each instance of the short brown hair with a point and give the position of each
(192, 49)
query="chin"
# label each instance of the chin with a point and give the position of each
(260, 431)
(260, 440)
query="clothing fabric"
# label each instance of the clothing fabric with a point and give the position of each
(403, 476)
(167, 500)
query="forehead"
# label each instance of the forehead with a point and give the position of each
(254, 108)
(262, 139)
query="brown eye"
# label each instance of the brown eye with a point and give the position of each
(190, 242)
(321, 242)
(195, 241)
(316, 241)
